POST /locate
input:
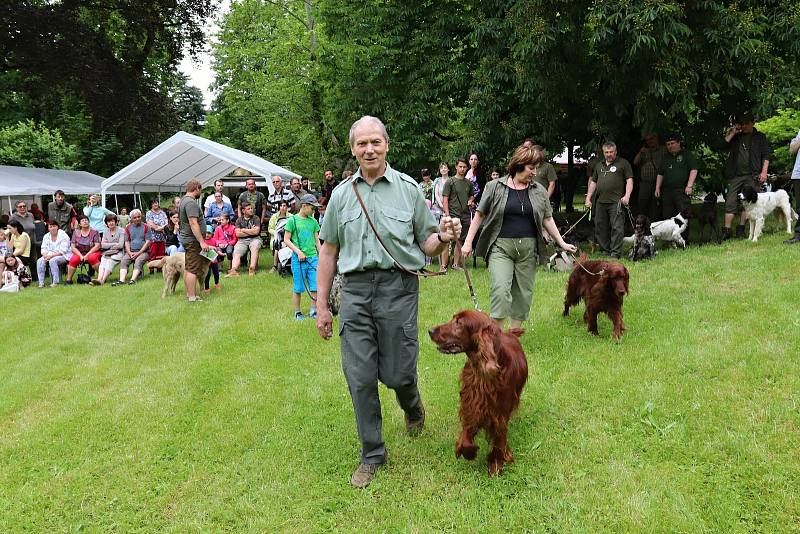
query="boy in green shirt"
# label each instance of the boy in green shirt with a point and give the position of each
(301, 234)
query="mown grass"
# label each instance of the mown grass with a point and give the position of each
(120, 411)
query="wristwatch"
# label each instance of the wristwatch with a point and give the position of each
(439, 235)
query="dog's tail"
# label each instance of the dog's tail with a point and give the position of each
(516, 331)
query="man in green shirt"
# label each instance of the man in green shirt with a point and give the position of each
(379, 301)
(747, 164)
(612, 180)
(676, 178)
(544, 174)
(457, 196)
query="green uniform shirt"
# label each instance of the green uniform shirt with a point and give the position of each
(611, 180)
(457, 193)
(545, 174)
(675, 169)
(398, 211)
(743, 156)
(303, 230)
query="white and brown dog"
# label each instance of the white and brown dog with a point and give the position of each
(758, 205)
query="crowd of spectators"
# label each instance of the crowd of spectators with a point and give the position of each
(62, 240)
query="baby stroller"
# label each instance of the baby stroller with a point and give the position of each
(284, 252)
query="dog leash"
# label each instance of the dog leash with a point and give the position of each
(469, 280)
(422, 273)
(571, 228)
(579, 264)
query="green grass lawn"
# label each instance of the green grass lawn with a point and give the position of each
(120, 411)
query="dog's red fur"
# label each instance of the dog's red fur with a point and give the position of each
(491, 381)
(602, 285)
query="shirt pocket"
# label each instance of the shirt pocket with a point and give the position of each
(351, 229)
(397, 224)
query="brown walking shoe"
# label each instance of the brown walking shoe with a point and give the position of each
(364, 475)
(415, 421)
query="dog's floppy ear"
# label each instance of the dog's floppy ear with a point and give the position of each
(487, 357)
(626, 278)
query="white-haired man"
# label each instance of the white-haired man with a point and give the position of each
(379, 338)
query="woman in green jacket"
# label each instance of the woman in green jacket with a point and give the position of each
(513, 212)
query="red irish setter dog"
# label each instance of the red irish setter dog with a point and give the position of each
(491, 381)
(602, 285)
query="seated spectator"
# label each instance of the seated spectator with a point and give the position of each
(96, 213)
(112, 247)
(225, 236)
(156, 223)
(137, 248)
(124, 218)
(5, 249)
(248, 229)
(281, 215)
(172, 234)
(216, 209)
(55, 253)
(85, 247)
(20, 242)
(19, 270)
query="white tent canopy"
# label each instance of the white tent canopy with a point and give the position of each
(28, 181)
(184, 156)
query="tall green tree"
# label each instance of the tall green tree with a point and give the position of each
(105, 72)
(267, 83)
(27, 144)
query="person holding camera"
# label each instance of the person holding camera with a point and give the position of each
(748, 161)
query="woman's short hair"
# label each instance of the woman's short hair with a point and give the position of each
(135, 213)
(155, 200)
(51, 222)
(82, 216)
(111, 217)
(17, 225)
(522, 156)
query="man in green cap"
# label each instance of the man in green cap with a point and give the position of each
(748, 161)
(379, 300)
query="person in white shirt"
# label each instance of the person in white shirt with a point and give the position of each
(218, 185)
(55, 253)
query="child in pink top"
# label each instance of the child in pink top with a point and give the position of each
(213, 268)
(225, 236)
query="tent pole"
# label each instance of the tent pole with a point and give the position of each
(10, 211)
(116, 203)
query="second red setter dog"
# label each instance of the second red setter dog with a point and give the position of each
(491, 381)
(602, 285)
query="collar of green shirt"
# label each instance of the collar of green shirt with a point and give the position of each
(390, 174)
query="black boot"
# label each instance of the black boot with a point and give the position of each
(725, 235)
(739, 231)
